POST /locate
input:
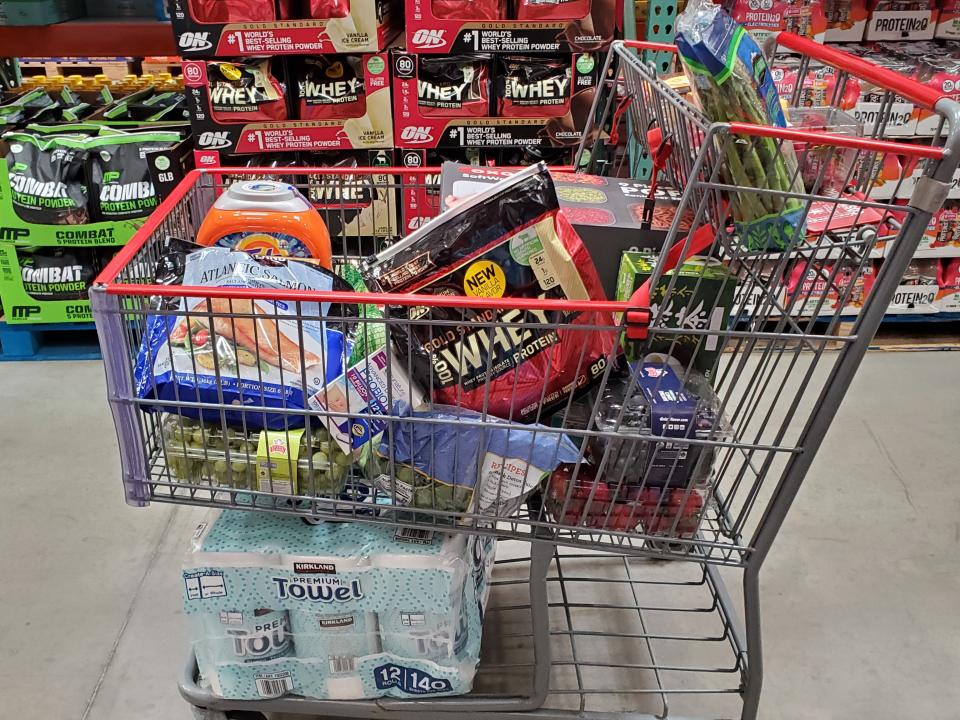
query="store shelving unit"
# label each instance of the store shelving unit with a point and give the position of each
(89, 37)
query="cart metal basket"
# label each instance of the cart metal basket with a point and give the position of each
(767, 371)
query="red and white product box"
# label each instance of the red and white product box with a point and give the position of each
(869, 108)
(766, 17)
(898, 20)
(372, 130)
(933, 65)
(523, 26)
(948, 24)
(462, 112)
(846, 20)
(918, 290)
(420, 194)
(941, 239)
(948, 282)
(358, 206)
(860, 99)
(420, 191)
(821, 288)
(217, 28)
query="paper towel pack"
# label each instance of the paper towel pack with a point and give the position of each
(334, 610)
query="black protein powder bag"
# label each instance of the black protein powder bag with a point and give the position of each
(533, 86)
(454, 85)
(331, 87)
(56, 274)
(47, 179)
(120, 175)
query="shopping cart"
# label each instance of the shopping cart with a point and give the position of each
(626, 634)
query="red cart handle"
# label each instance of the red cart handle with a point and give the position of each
(638, 319)
(904, 86)
(917, 93)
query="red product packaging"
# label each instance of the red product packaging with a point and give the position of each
(245, 92)
(328, 9)
(552, 9)
(232, 11)
(468, 9)
(454, 86)
(331, 87)
(533, 86)
(508, 241)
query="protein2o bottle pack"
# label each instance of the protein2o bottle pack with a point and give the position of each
(47, 178)
(120, 183)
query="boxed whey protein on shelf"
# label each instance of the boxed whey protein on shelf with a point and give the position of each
(454, 86)
(360, 210)
(445, 102)
(508, 241)
(245, 91)
(330, 87)
(520, 26)
(530, 86)
(216, 28)
(248, 114)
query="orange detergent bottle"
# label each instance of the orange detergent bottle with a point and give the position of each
(263, 217)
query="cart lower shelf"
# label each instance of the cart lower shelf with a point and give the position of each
(653, 639)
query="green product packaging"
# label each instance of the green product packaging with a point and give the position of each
(277, 456)
(701, 299)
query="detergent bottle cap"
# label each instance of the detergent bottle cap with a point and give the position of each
(262, 194)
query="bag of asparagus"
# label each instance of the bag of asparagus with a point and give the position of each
(732, 83)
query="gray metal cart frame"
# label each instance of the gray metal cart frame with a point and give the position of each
(784, 369)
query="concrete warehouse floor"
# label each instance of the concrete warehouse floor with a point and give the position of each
(860, 589)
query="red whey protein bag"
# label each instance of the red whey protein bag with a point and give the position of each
(232, 11)
(468, 9)
(328, 9)
(552, 9)
(245, 92)
(454, 85)
(533, 86)
(330, 87)
(509, 241)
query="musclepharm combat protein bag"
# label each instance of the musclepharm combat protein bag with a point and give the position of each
(331, 87)
(509, 241)
(120, 183)
(453, 85)
(245, 92)
(56, 274)
(533, 86)
(47, 178)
